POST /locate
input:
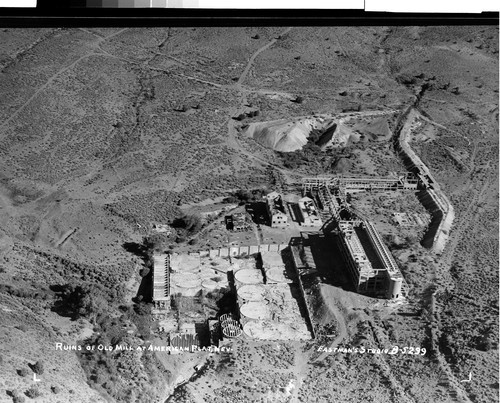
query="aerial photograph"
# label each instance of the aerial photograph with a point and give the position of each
(273, 214)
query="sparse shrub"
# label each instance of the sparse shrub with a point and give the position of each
(55, 389)
(24, 372)
(406, 79)
(487, 344)
(156, 242)
(143, 309)
(17, 397)
(33, 392)
(145, 271)
(243, 195)
(230, 199)
(87, 300)
(240, 117)
(39, 367)
(189, 222)
(23, 328)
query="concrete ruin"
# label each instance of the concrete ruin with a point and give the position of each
(238, 222)
(371, 265)
(384, 277)
(192, 273)
(267, 308)
(310, 215)
(401, 181)
(161, 282)
(276, 210)
(186, 339)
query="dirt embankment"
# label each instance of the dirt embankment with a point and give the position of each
(431, 195)
(439, 228)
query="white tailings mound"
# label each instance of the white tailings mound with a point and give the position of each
(342, 137)
(283, 135)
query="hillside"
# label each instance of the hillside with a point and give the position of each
(106, 133)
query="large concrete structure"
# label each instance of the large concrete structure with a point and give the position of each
(310, 215)
(268, 307)
(276, 210)
(419, 178)
(161, 281)
(371, 265)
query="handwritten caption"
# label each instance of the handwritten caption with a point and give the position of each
(394, 350)
(125, 347)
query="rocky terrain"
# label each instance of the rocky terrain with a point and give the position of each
(107, 132)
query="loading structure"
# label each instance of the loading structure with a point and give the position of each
(402, 181)
(371, 266)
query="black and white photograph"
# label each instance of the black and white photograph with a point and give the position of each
(274, 213)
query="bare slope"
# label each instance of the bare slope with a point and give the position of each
(282, 135)
(26, 338)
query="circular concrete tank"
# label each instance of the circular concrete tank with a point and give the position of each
(255, 310)
(252, 292)
(211, 284)
(249, 276)
(187, 280)
(277, 275)
(271, 259)
(281, 291)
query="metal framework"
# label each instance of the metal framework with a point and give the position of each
(184, 341)
(403, 181)
(230, 327)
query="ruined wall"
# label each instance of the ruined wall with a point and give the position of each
(242, 250)
(296, 261)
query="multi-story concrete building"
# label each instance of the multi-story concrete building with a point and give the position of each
(371, 266)
(276, 210)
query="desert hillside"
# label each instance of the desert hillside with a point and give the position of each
(108, 134)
